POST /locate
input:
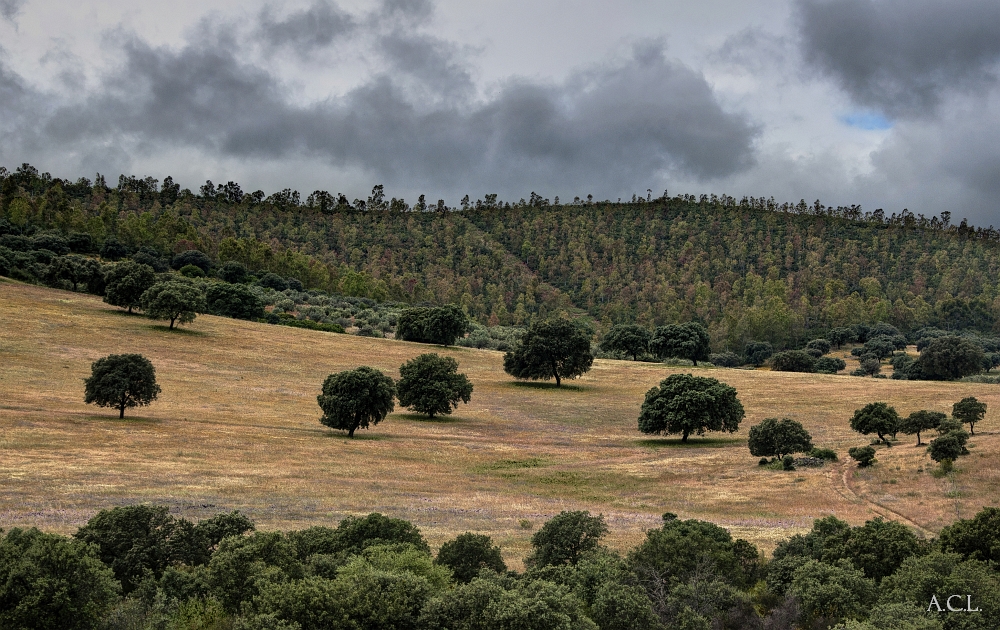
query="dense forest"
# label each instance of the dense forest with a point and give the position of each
(749, 269)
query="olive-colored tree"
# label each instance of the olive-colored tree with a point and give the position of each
(356, 399)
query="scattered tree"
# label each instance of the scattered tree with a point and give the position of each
(946, 447)
(777, 438)
(192, 257)
(948, 358)
(431, 384)
(758, 352)
(725, 359)
(271, 280)
(551, 349)
(829, 365)
(234, 272)
(125, 282)
(820, 345)
(75, 270)
(864, 455)
(121, 381)
(878, 418)
(969, 411)
(441, 325)
(468, 554)
(793, 361)
(683, 341)
(919, 421)
(630, 339)
(233, 300)
(565, 537)
(688, 404)
(174, 300)
(355, 399)
(840, 336)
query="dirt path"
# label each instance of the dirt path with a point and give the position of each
(844, 489)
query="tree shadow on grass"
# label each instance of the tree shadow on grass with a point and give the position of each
(178, 331)
(547, 385)
(114, 310)
(693, 442)
(359, 436)
(419, 417)
(126, 420)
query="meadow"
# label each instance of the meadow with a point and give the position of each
(236, 427)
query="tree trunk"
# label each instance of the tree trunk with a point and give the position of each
(918, 438)
(695, 361)
(555, 372)
(972, 428)
(350, 432)
(684, 436)
(172, 323)
(129, 309)
(121, 412)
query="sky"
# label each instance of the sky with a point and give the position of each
(884, 103)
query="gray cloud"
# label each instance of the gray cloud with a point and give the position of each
(10, 8)
(902, 56)
(616, 128)
(308, 30)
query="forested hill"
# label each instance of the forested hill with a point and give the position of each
(748, 269)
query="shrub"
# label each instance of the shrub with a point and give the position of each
(829, 365)
(788, 462)
(725, 359)
(864, 455)
(192, 271)
(272, 280)
(824, 453)
(357, 533)
(439, 325)
(192, 257)
(758, 352)
(233, 300)
(793, 361)
(947, 447)
(822, 345)
(233, 272)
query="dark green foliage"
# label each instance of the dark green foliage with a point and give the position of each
(316, 540)
(233, 300)
(224, 525)
(864, 455)
(565, 537)
(920, 421)
(840, 336)
(287, 320)
(977, 538)
(121, 381)
(431, 384)
(233, 272)
(725, 359)
(969, 411)
(758, 352)
(48, 582)
(773, 437)
(949, 446)
(357, 533)
(676, 552)
(355, 399)
(793, 361)
(135, 539)
(829, 365)
(820, 345)
(174, 300)
(192, 271)
(113, 250)
(314, 603)
(73, 270)
(630, 339)
(881, 347)
(151, 257)
(378, 599)
(468, 554)
(80, 243)
(192, 257)
(824, 453)
(689, 404)
(272, 280)
(441, 325)
(869, 366)
(878, 418)
(682, 341)
(788, 462)
(832, 593)
(948, 358)
(550, 349)
(879, 547)
(243, 565)
(462, 608)
(52, 242)
(126, 282)
(623, 607)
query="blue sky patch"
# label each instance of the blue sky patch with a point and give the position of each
(868, 121)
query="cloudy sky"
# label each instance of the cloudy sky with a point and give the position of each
(886, 103)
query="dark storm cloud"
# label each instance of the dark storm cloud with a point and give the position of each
(10, 8)
(902, 56)
(308, 30)
(616, 128)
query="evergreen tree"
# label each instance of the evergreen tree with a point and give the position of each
(630, 339)
(689, 404)
(121, 381)
(125, 282)
(551, 349)
(684, 341)
(174, 300)
(431, 384)
(356, 399)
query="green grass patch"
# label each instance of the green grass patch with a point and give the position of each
(510, 464)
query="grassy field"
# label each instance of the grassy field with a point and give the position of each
(237, 427)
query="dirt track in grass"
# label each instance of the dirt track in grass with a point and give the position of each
(237, 427)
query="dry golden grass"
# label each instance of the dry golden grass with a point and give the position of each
(237, 427)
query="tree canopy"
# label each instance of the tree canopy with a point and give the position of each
(356, 399)
(773, 437)
(440, 325)
(565, 537)
(550, 349)
(920, 421)
(630, 339)
(948, 358)
(687, 404)
(878, 418)
(174, 300)
(125, 282)
(233, 300)
(683, 341)
(431, 384)
(969, 411)
(121, 381)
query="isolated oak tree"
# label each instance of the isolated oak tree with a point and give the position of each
(777, 438)
(878, 418)
(175, 300)
(630, 339)
(356, 399)
(683, 341)
(431, 384)
(552, 349)
(920, 421)
(125, 282)
(969, 411)
(688, 404)
(121, 381)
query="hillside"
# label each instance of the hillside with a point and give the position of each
(237, 427)
(751, 269)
